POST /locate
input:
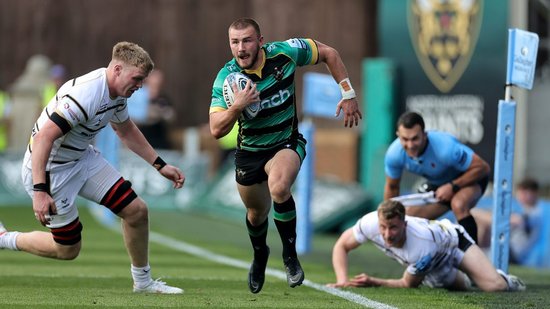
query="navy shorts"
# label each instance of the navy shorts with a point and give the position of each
(249, 165)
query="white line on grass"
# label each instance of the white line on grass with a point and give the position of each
(203, 253)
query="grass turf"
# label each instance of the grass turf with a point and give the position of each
(100, 276)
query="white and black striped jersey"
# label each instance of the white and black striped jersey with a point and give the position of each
(81, 108)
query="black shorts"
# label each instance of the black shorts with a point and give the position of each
(249, 165)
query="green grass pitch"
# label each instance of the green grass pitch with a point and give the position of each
(100, 276)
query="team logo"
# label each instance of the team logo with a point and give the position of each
(240, 173)
(444, 35)
(278, 74)
(71, 113)
(64, 203)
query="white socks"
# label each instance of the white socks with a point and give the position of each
(142, 276)
(8, 240)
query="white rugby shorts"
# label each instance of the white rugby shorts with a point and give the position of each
(444, 276)
(90, 177)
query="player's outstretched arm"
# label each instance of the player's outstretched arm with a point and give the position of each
(337, 69)
(132, 138)
(340, 251)
(407, 281)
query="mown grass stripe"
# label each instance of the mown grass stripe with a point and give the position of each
(203, 253)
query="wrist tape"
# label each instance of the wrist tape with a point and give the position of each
(346, 89)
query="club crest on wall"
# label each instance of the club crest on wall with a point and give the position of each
(444, 35)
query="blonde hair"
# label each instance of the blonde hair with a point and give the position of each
(390, 209)
(133, 54)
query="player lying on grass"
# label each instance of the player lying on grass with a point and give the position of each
(437, 253)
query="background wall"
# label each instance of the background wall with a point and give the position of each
(186, 38)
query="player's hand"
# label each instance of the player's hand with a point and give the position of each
(174, 174)
(245, 97)
(361, 280)
(444, 193)
(43, 206)
(338, 284)
(352, 114)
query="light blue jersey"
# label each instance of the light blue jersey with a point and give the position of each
(444, 159)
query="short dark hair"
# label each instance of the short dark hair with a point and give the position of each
(528, 183)
(245, 22)
(389, 209)
(410, 119)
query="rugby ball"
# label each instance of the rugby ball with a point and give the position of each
(240, 80)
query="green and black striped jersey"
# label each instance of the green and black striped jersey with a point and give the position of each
(277, 121)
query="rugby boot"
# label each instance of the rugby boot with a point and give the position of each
(294, 273)
(514, 283)
(158, 287)
(256, 274)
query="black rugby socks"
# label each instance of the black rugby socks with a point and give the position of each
(258, 236)
(469, 224)
(284, 216)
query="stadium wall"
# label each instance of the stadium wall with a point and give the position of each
(186, 38)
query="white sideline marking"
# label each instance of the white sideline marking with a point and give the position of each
(203, 253)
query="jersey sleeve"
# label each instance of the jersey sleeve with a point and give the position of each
(217, 103)
(75, 105)
(68, 113)
(303, 51)
(457, 154)
(366, 227)
(393, 160)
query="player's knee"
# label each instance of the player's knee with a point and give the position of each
(460, 208)
(136, 213)
(68, 252)
(279, 192)
(119, 196)
(257, 216)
